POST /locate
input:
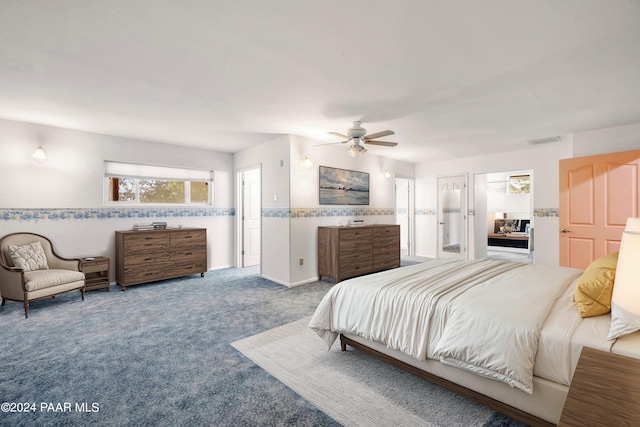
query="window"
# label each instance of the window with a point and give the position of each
(130, 184)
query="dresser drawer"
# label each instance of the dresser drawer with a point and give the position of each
(184, 268)
(355, 233)
(386, 242)
(356, 268)
(385, 252)
(355, 256)
(145, 272)
(381, 232)
(152, 241)
(147, 257)
(189, 255)
(352, 246)
(188, 238)
(386, 262)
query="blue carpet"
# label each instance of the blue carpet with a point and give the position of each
(157, 354)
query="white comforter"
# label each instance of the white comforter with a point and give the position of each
(483, 315)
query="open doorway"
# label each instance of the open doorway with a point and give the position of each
(504, 216)
(404, 214)
(452, 216)
(249, 217)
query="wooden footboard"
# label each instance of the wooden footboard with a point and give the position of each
(496, 405)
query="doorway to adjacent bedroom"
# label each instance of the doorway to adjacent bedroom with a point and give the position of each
(503, 226)
(250, 216)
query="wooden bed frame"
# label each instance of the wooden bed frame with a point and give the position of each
(494, 404)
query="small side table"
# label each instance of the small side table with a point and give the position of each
(96, 272)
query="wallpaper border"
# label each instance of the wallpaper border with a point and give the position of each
(37, 214)
(110, 213)
(324, 212)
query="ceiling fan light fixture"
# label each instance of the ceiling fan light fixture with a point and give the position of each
(358, 136)
(356, 149)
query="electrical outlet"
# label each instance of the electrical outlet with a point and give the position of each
(301, 261)
(275, 197)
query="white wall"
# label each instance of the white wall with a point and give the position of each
(63, 198)
(542, 161)
(609, 140)
(273, 159)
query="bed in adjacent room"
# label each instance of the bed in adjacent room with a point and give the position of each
(505, 333)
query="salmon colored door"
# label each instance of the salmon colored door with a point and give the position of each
(597, 195)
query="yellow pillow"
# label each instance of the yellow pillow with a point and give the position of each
(595, 287)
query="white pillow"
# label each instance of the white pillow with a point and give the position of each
(28, 257)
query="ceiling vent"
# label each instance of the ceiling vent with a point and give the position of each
(546, 140)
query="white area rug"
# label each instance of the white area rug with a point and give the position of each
(353, 388)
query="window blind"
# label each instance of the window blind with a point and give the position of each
(133, 170)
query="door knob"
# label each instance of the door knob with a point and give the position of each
(564, 230)
(441, 223)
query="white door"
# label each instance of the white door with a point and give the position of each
(404, 214)
(452, 217)
(251, 215)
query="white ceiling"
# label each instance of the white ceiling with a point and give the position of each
(451, 78)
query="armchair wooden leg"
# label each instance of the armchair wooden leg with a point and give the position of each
(82, 290)
(26, 308)
(3, 301)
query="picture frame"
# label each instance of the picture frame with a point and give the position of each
(342, 186)
(519, 184)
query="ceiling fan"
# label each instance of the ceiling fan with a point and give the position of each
(358, 135)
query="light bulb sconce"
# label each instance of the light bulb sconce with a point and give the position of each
(39, 155)
(305, 163)
(386, 174)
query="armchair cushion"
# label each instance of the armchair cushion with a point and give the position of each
(28, 257)
(41, 279)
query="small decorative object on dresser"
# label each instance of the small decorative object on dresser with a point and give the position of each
(147, 256)
(353, 251)
(96, 272)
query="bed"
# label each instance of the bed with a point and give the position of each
(504, 333)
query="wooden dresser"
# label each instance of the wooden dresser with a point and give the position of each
(146, 256)
(353, 251)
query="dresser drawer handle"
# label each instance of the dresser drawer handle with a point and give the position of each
(148, 259)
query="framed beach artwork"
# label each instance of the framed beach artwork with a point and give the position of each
(519, 184)
(343, 187)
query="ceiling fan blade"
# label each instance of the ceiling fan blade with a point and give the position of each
(329, 143)
(383, 143)
(339, 135)
(379, 134)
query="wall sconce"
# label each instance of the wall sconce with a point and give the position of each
(39, 155)
(386, 174)
(305, 163)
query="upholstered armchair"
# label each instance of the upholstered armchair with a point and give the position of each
(30, 270)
